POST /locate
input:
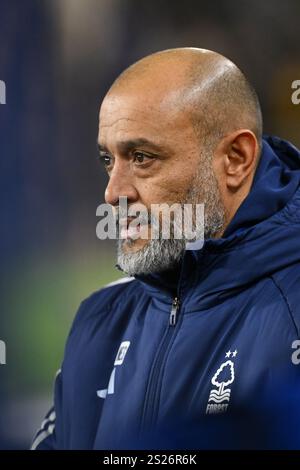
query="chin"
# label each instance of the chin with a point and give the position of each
(133, 246)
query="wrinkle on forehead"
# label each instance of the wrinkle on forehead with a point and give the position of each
(133, 109)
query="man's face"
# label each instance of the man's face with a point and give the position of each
(152, 156)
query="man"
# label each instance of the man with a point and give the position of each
(199, 347)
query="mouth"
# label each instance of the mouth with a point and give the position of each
(130, 230)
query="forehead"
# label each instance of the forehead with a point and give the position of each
(140, 114)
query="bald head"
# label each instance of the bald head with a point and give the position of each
(212, 89)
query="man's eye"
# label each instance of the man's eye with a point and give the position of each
(140, 157)
(106, 160)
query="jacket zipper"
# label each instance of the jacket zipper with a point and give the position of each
(174, 311)
(151, 403)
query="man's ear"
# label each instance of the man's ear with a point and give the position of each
(237, 154)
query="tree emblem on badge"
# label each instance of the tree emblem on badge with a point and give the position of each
(222, 378)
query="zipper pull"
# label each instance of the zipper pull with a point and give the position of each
(174, 310)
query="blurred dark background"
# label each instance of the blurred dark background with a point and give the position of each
(57, 59)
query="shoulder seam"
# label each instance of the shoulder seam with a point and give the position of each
(122, 280)
(287, 304)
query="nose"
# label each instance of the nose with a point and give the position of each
(120, 184)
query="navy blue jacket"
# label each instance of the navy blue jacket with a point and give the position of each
(207, 356)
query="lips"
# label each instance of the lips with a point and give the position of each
(129, 231)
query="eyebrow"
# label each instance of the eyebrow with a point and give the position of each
(128, 145)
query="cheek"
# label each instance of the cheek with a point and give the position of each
(171, 182)
(179, 180)
(166, 190)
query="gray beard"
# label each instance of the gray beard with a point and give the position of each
(162, 254)
(155, 256)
